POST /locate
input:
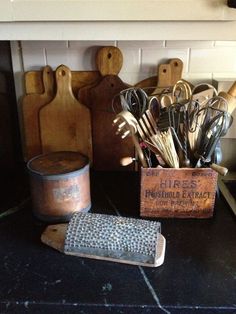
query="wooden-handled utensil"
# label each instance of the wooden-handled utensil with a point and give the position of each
(230, 96)
(31, 104)
(65, 124)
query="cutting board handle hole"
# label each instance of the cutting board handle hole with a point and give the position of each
(109, 55)
(164, 71)
(176, 64)
(62, 73)
(112, 85)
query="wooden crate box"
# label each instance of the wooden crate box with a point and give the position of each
(177, 193)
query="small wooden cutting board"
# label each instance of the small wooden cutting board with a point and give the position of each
(34, 83)
(65, 123)
(31, 104)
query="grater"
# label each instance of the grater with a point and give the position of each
(107, 237)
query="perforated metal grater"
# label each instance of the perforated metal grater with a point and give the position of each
(120, 239)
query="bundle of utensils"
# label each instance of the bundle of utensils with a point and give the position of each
(179, 127)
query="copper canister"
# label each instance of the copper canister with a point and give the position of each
(60, 185)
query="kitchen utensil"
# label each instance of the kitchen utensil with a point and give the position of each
(108, 148)
(111, 238)
(134, 100)
(65, 124)
(230, 96)
(31, 104)
(212, 130)
(128, 127)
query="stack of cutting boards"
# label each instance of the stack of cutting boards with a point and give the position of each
(54, 120)
(74, 110)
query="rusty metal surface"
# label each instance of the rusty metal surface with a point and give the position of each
(60, 185)
(113, 237)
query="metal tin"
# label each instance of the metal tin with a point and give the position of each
(60, 185)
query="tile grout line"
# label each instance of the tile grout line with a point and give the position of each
(149, 285)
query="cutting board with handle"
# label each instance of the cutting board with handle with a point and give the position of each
(34, 83)
(152, 83)
(31, 104)
(108, 147)
(176, 65)
(164, 78)
(109, 61)
(65, 123)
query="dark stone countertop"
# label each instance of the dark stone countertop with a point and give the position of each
(198, 274)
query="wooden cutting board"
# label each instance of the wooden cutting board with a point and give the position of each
(34, 83)
(109, 61)
(31, 104)
(164, 78)
(176, 65)
(108, 147)
(65, 123)
(175, 71)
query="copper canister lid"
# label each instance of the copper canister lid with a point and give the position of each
(57, 163)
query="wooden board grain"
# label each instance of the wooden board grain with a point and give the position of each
(169, 78)
(34, 83)
(177, 193)
(176, 70)
(164, 78)
(65, 123)
(31, 104)
(108, 148)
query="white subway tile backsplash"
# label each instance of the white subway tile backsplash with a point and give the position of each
(152, 57)
(33, 58)
(132, 78)
(225, 76)
(213, 60)
(73, 58)
(198, 78)
(131, 60)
